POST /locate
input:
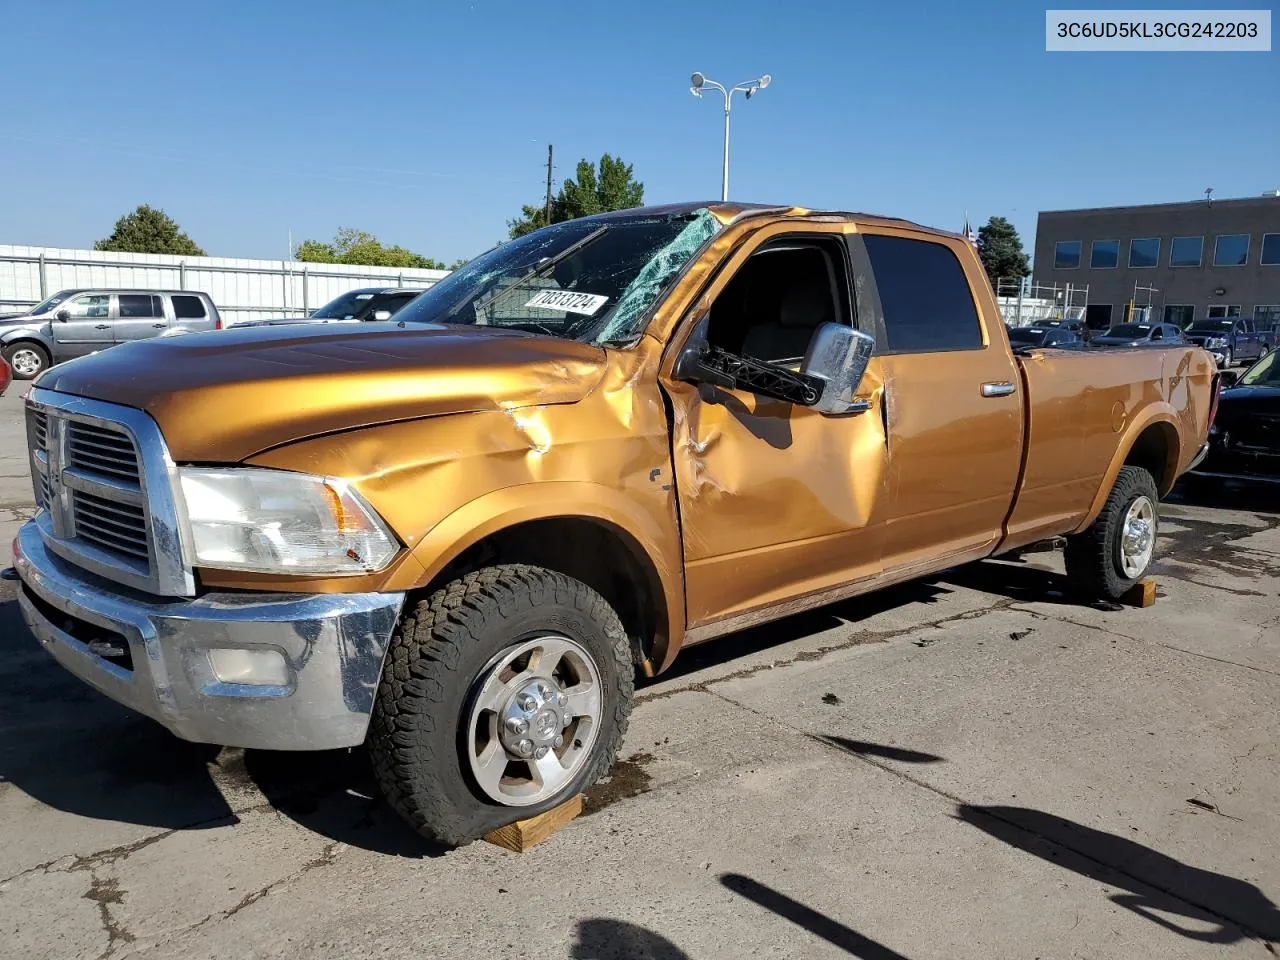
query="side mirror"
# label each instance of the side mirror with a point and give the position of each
(63, 315)
(1228, 378)
(381, 315)
(838, 356)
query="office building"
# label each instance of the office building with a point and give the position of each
(1174, 262)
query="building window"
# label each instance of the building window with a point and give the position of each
(1104, 254)
(1231, 250)
(1144, 252)
(1186, 252)
(1066, 254)
(1267, 317)
(1270, 250)
(1097, 316)
(1224, 311)
(1180, 315)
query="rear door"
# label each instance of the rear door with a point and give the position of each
(953, 400)
(138, 316)
(87, 327)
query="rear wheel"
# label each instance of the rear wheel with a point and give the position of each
(1115, 552)
(504, 693)
(27, 359)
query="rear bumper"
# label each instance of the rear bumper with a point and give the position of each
(332, 647)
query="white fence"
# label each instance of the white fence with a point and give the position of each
(242, 289)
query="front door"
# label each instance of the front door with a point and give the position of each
(953, 398)
(87, 327)
(138, 316)
(776, 501)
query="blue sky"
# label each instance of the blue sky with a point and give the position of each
(426, 123)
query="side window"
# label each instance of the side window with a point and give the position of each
(925, 300)
(139, 306)
(778, 297)
(187, 307)
(1157, 333)
(90, 307)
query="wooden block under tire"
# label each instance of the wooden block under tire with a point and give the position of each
(523, 834)
(1141, 594)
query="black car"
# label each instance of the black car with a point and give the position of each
(1140, 335)
(354, 306)
(1244, 441)
(1042, 336)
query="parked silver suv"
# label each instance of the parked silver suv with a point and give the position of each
(73, 323)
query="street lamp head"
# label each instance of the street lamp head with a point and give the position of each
(697, 81)
(764, 81)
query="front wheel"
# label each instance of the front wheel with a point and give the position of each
(27, 359)
(1114, 553)
(504, 693)
(1228, 359)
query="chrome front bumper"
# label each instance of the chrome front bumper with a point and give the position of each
(332, 644)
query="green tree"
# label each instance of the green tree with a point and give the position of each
(149, 230)
(1000, 248)
(361, 247)
(612, 187)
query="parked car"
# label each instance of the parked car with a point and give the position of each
(354, 306)
(1244, 442)
(1231, 340)
(458, 536)
(1045, 336)
(1140, 335)
(73, 323)
(1078, 327)
(6, 375)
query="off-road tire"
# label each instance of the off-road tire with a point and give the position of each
(35, 348)
(1093, 556)
(439, 648)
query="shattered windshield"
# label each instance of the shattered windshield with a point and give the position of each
(589, 280)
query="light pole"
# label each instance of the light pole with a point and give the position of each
(750, 88)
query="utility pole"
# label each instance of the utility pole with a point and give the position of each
(547, 213)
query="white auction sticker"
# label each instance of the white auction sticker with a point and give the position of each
(568, 301)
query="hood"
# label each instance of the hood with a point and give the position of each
(1259, 399)
(222, 396)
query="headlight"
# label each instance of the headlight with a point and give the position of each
(273, 521)
(1216, 342)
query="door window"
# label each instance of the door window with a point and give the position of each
(772, 305)
(187, 307)
(139, 306)
(90, 307)
(925, 300)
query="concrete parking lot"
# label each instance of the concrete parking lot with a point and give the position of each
(971, 766)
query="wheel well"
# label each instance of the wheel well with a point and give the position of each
(1156, 451)
(604, 557)
(17, 340)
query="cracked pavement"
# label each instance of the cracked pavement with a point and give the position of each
(969, 766)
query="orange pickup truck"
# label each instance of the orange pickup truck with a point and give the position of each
(457, 535)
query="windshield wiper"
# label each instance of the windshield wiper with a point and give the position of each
(538, 270)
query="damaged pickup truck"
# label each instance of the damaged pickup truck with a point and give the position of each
(458, 535)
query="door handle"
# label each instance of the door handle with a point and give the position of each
(102, 326)
(159, 326)
(1002, 389)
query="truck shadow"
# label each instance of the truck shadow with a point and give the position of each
(68, 747)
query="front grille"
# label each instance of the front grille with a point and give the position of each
(101, 473)
(111, 525)
(101, 450)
